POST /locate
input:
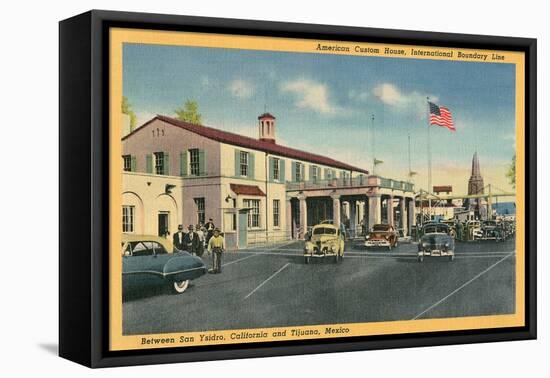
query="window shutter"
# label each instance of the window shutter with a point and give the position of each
(133, 164)
(202, 162)
(166, 164)
(251, 165)
(149, 163)
(237, 163)
(293, 168)
(303, 167)
(282, 165)
(271, 168)
(183, 163)
(311, 172)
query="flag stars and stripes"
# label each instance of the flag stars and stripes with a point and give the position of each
(441, 116)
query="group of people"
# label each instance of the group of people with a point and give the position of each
(196, 239)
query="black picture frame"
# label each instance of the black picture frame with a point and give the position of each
(84, 198)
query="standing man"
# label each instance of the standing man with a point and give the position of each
(178, 238)
(191, 241)
(200, 233)
(216, 246)
(209, 229)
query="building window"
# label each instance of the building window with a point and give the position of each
(314, 173)
(201, 218)
(254, 213)
(128, 218)
(276, 212)
(160, 163)
(276, 174)
(194, 161)
(244, 163)
(298, 171)
(127, 163)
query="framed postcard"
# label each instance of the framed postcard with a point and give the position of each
(236, 188)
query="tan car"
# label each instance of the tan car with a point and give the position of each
(381, 235)
(324, 240)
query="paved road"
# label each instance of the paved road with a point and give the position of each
(271, 286)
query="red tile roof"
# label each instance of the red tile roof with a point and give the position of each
(267, 115)
(442, 188)
(249, 190)
(255, 144)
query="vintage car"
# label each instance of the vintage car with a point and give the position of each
(324, 240)
(153, 260)
(491, 230)
(452, 227)
(381, 235)
(436, 241)
(473, 230)
(508, 228)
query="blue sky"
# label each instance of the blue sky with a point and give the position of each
(323, 104)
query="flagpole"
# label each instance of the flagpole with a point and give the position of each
(429, 162)
(410, 174)
(373, 146)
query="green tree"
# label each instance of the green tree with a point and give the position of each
(189, 112)
(511, 172)
(127, 109)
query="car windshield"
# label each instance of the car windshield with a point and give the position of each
(440, 229)
(380, 227)
(324, 231)
(146, 248)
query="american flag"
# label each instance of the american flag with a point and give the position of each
(441, 116)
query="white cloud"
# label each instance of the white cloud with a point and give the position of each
(391, 95)
(310, 95)
(241, 88)
(361, 96)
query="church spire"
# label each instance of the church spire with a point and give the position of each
(475, 166)
(475, 184)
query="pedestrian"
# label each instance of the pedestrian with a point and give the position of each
(200, 234)
(191, 241)
(178, 238)
(209, 229)
(216, 246)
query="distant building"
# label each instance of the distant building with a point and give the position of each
(475, 186)
(475, 183)
(445, 189)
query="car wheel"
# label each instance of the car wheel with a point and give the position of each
(181, 286)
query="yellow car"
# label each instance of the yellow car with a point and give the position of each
(324, 240)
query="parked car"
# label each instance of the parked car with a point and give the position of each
(473, 229)
(324, 240)
(436, 241)
(153, 260)
(452, 227)
(381, 235)
(491, 230)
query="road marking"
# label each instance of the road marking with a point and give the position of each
(266, 281)
(461, 287)
(236, 261)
